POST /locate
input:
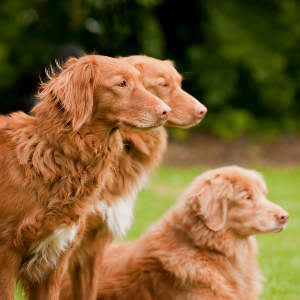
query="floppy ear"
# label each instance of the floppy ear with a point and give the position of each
(140, 68)
(208, 198)
(73, 89)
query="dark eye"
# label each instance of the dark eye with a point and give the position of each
(247, 197)
(164, 84)
(127, 145)
(122, 84)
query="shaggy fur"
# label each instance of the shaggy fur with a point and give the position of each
(203, 248)
(54, 163)
(142, 153)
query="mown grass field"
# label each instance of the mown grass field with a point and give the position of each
(279, 255)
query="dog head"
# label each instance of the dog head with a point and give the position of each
(97, 88)
(4, 120)
(233, 198)
(161, 79)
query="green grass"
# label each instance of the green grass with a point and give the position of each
(279, 253)
(279, 257)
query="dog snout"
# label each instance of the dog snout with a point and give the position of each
(200, 111)
(163, 111)
(282, 216)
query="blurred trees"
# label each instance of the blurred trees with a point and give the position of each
(240, 58)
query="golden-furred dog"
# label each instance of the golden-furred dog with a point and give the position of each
(142, 152)
(54, 162)
(203, 248)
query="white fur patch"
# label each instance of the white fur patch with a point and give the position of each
(59, 240)
(119, 215)
(48, 251)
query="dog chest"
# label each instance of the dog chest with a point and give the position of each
(59, 240)
(119, 214)
(46, 254)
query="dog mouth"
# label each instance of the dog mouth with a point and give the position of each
(281, 227)
(130, 126)
(181, 124)
(276, 229)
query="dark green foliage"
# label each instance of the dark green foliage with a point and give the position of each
(240, 58)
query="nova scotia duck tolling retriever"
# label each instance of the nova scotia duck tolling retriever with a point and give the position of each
(142, 152)
(55, 161)
(203, 249)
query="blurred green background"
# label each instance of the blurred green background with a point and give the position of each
(240, 58)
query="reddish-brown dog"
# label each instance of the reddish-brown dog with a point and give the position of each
(142, 153)
(55, 162)
(203, 248)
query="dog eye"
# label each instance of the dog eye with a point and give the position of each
(122, 84)
(247, 197)
(164, 84)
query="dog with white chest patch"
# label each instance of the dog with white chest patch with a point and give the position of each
(204, 248)
(112, 216)
(55, 161)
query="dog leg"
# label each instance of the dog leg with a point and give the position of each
(85, 265)
(84, 276)
(49, 288)
(9, 264)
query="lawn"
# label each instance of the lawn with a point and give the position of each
(279, 253)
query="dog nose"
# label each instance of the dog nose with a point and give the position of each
(282, 216)
(200, 111)
(163, 111)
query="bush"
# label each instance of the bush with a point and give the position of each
(241, 59)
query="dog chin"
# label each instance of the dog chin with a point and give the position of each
(146, 129)
(277, 229)
(180, 125)
(133, 127)
(283, 226)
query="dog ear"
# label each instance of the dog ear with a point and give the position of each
(209, 200)
(73, 89)
(141, 69)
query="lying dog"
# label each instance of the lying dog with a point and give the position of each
(54, 163)
(203, 248)
(142, 153)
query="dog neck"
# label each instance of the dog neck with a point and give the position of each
(52, 153)
(142, 152)
(130, 174)
(224, 242)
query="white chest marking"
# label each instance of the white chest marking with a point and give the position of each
(49, 250)
(59, 240)
(119, 215)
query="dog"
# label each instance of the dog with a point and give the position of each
(204, 248)
(56, 160)
(3, 121)
(142, 153)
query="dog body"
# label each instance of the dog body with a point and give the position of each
(55, 163)
(112, 215)
(203, 248)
